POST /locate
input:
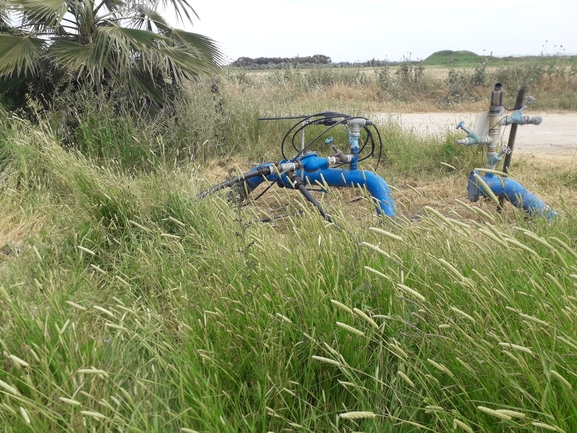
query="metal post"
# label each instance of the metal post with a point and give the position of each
(513, 133)
(511, 142)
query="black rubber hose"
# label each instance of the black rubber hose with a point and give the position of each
(303, 189)
(380, 146)
(301, 151)
(299, 184)
(261, 171)
(325, 118)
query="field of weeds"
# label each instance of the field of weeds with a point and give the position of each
(127, 305)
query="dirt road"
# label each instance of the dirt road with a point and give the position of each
(555, 138)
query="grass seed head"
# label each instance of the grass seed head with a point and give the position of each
(326, 360)
(413, 292)
(75, 305)
(461, 425)
(440, 367)
(398, 351)
(19, 361)
(8, 388)
(115, 326)
(357, 415)
(561, 379)
(103, 310)
(93, 414)
(341, 306)
(511, 413)
(406, 378)
(365, 317)
(284, 318)
(546, 426)
(463, 314)
(494, 413)
(386, 233)
(534, 319)
(516, 347)
(376, 249)
(70, 401)
(380, 274)
(92, 371)
(25, 415)
(86, 250)
(350, 329)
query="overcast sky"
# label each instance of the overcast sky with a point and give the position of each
(359, 30)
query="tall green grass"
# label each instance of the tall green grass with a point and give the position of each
(125, 305)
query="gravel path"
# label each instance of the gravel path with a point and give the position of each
(555, 138)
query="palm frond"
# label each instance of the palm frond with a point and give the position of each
(110, 5)
(204, 46)
(182, 8)
(4, 19)
(144, 86)
(183, 63)
(19, 54)
(40, 14)
(147, 18)
(71, 54)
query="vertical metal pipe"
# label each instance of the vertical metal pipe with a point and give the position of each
(495, 113)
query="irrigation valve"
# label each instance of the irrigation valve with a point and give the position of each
(329, 141)
(472, 137)
(517, 118)
(339, 157)
(493, 158)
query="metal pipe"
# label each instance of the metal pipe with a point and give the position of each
(495, 114)
(511, 143)
(513, 133)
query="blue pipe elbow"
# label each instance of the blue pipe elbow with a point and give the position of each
(375, 184)
(512, 191)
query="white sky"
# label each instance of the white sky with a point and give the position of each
(359, 30)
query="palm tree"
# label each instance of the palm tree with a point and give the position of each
(105, 44)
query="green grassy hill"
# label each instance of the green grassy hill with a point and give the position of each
(465, 58)
(449, 57)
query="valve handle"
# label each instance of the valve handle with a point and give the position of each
(461, 124)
